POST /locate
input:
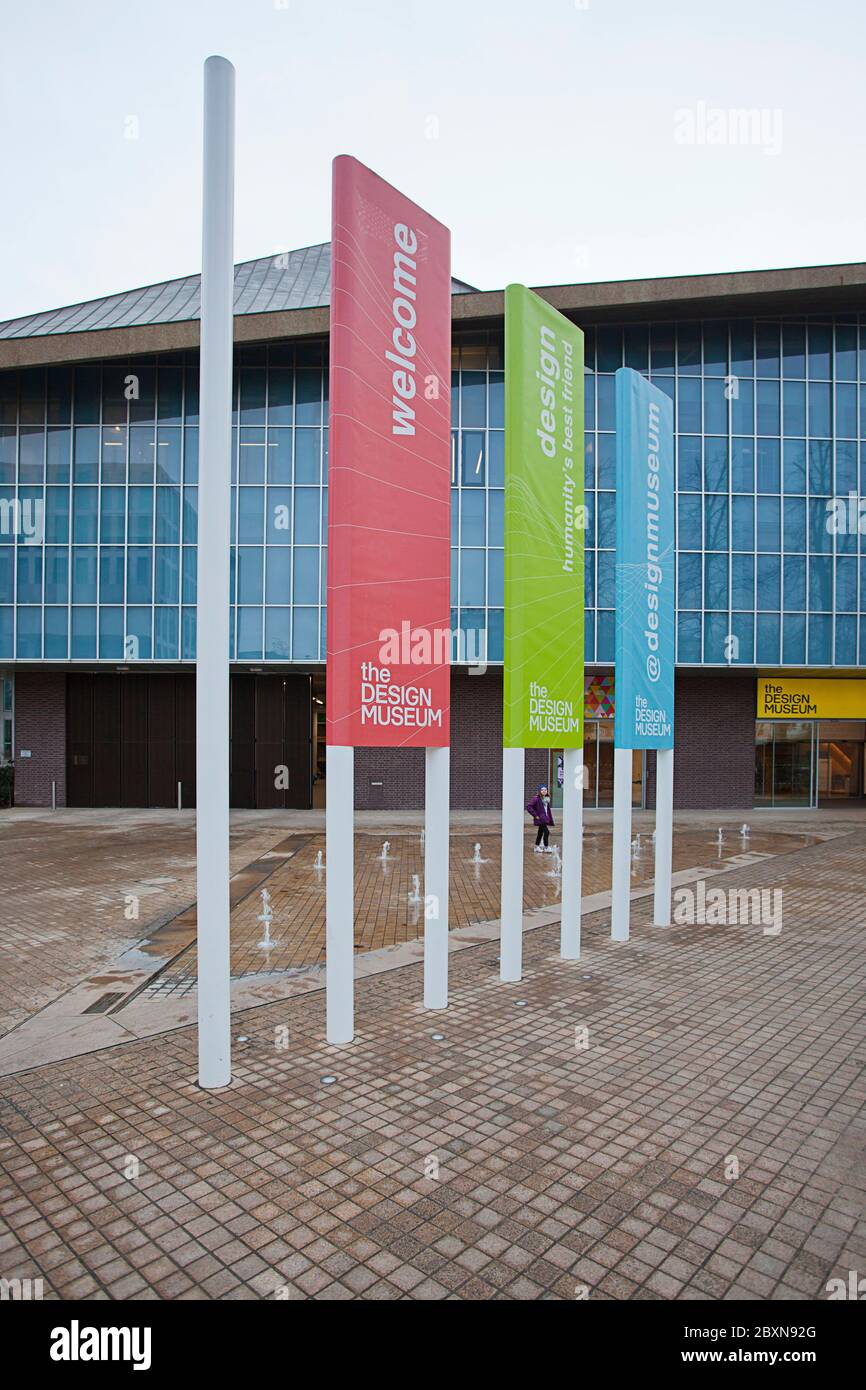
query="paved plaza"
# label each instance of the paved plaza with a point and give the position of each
(679, 1116)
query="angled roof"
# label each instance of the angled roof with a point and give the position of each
(290, 280)
(286, 296)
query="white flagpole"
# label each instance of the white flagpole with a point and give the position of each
(620, 902)
(436, 817)
(340, 893)
(212, 638)
(511, 897)
(572, 852)
(664, 837)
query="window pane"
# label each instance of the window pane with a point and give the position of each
(742, 465)
(819, 408)
(167, 585)
(716, 465)
(769, 530)
(769, 582)
(794, 453)
(689, 580)
(250, 572)
(305, 634)
(165, 634)
(278, 580)
(689, 463)
(277, 624)
(141, 515)
(794, 574)
(139, 575)
(306, 516)
(472, 460)
(249, 633)
(795, 523)
(306, 574)
(742, 582)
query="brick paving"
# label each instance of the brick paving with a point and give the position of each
(57, 872)
(66, 891)
(502, 1161)
(384, 915)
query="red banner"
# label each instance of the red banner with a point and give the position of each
(389, 468)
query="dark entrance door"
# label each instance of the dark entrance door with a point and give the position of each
(271, 741)
(131, 740)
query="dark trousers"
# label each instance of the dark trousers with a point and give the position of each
(543, 834)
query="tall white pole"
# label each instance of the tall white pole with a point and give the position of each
(572, 852)
(436, 816)
(620, 902)
(511, 905)
(212, 638)
(340, 894)
(664, 836)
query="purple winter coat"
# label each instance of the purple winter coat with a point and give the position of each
(541, 814)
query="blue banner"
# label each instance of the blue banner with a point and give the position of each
(645, 610)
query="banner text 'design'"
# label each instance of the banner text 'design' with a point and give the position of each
(389, 485)
(545, 525)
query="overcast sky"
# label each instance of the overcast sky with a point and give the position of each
(560, 141)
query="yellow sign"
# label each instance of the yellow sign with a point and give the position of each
(805, 697)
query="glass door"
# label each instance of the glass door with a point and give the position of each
(785, 762)
(841, 760)
(605, 767)
(598, 768)
(590, 763)
(764, 763)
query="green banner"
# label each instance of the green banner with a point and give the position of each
(545, 525)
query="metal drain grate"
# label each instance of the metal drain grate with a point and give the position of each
(104, 1003)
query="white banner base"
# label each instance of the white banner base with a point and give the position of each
(572, 852)
(511, 898)
(340, 894)
(664, 837)
(437, 763)
(620, 886)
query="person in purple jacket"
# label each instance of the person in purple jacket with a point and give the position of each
(540, 810)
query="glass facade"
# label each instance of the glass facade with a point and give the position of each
(99, 477)
(99, 490)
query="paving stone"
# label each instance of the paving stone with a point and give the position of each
(604, 1167)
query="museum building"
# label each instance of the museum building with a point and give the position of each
(99, 435)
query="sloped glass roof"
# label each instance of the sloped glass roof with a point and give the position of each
(290, 280)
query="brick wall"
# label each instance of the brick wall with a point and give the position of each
(389, 777)
(714, 766)
(40, 726)
(714, 761)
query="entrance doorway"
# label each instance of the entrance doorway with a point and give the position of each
(809, 762)
(130, 739)
(598, 768)
(840, 760)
